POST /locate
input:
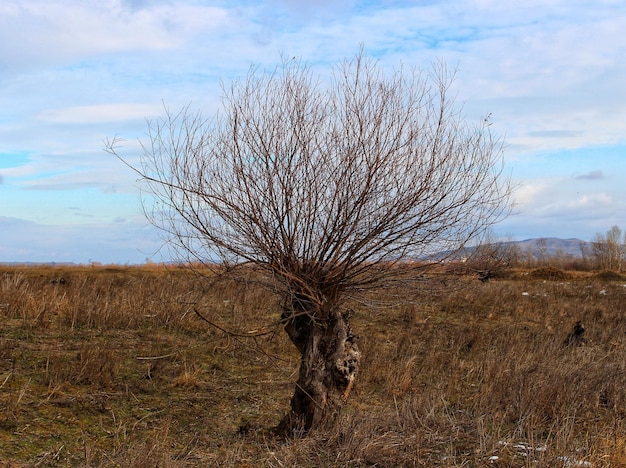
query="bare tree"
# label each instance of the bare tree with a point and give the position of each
(609, 249)
(323, 188)
(541, 246)
(491, 257)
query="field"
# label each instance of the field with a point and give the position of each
(110, 366)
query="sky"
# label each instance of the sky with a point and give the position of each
(74, 73)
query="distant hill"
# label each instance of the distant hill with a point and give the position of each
(540, 247)
(553, 246)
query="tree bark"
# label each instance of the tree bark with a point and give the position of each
(328, 368)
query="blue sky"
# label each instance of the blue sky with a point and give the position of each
(552, 74)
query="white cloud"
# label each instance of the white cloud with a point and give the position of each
(571, 206)
(591, 201)
(530, 193)
(111, 242)
(36, 32)
(115, 112)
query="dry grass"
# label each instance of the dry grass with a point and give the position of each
(111, 367)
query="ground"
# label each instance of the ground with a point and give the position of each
(112, 367)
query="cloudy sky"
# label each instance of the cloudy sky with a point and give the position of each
(552, 73)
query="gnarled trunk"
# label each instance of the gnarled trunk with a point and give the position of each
(328, 368)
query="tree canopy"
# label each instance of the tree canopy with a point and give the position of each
(324, 185)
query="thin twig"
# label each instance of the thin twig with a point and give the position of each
(159, 357)
(236, 336)
(250, 334)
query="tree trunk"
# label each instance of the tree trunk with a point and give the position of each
(328, 368)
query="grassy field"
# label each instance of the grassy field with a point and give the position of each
(110, 366)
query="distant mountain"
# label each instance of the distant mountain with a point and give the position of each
(552, 246)
(540, 247)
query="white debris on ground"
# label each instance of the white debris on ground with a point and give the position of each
(568, 461)
(524, 449)
(528, 452)
(602, 292)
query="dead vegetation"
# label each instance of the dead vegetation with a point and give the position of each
(111, 367)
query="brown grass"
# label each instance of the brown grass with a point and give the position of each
(111, 367)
